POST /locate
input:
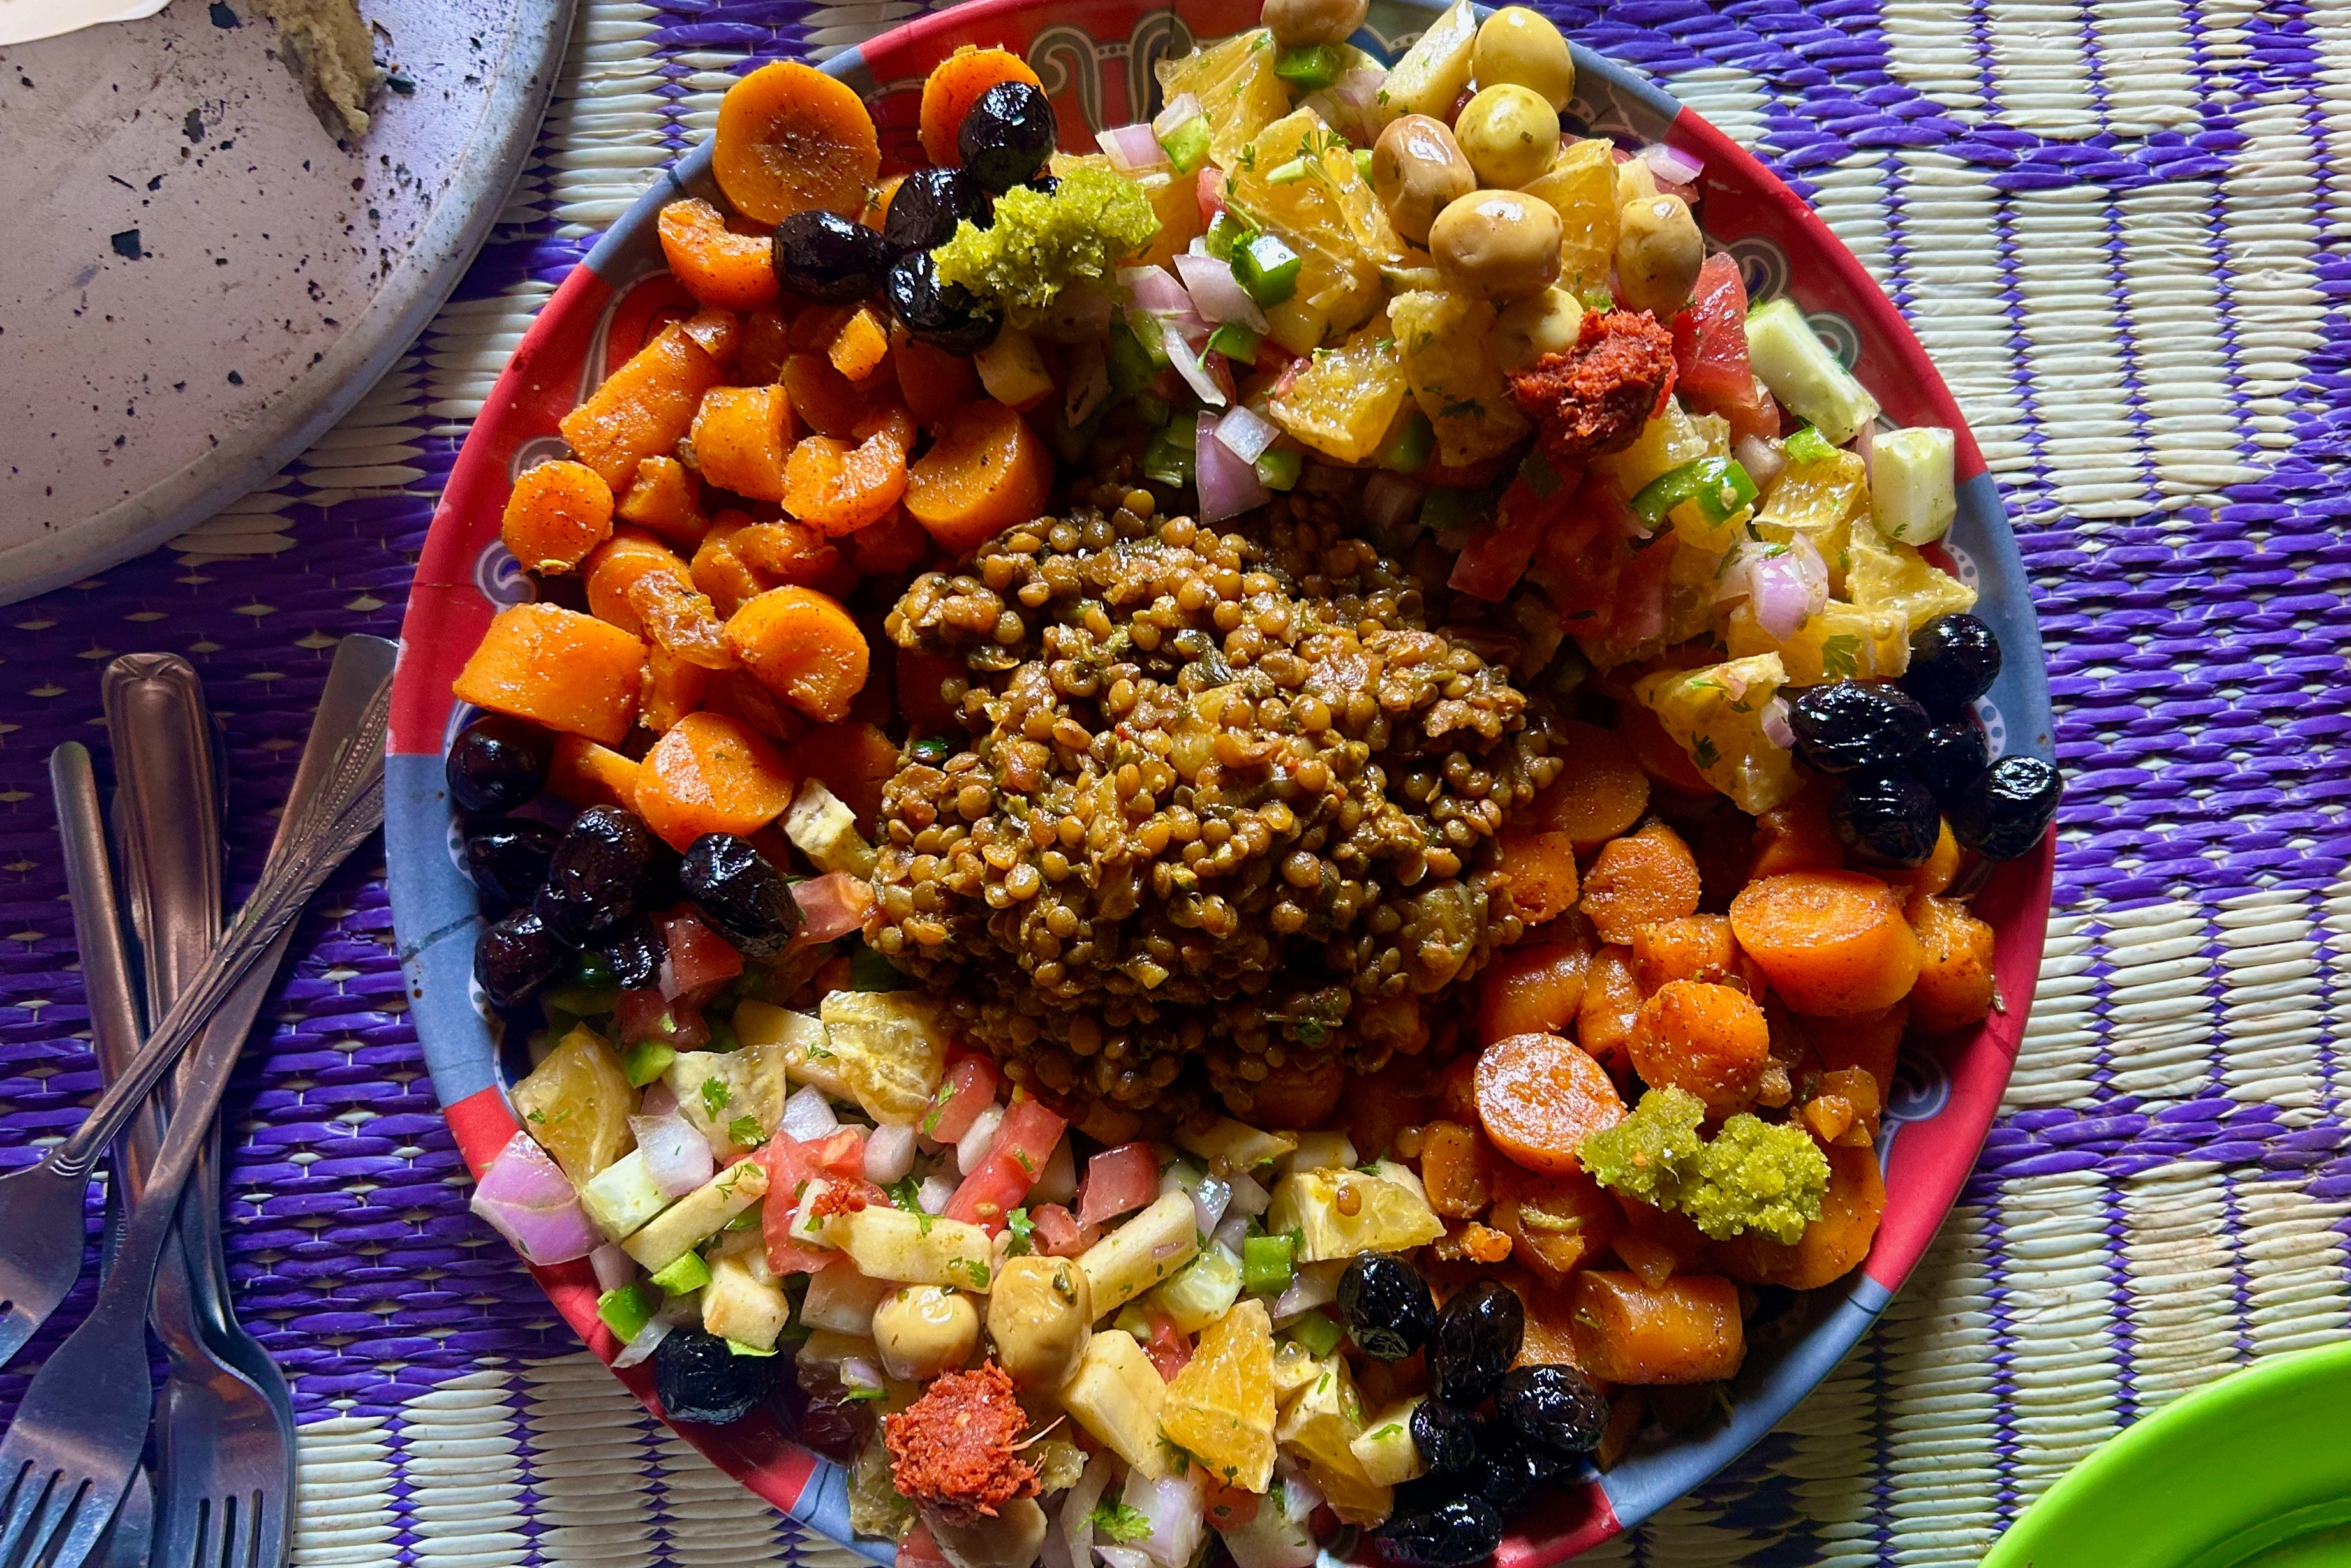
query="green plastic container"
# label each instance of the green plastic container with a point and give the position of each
(2253, 1471)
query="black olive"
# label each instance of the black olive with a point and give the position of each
(633, 951)
(1445, 1439)
(827, 259)
(1454, 1533)
(2003, 814)
(592, 882)
(1890, 818)
(1007, 136)
(508, 858)
(497, 763)
(1386, 1304)
(928, 205)
(946, 316)
(698, 1377)
(516, 957)
(1555, 1407)
(1509, 1470)
(1045, 184)
(1478, 1335)
(1952, 756)
(1954, 659)
(1852, 725)
(739, 894)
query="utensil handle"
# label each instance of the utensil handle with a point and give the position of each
(349, 807)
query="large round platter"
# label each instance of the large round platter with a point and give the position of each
(1095, 58)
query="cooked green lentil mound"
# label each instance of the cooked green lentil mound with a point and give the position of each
(1221, 798)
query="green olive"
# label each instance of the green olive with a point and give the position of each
(1037, 1317)
(1659, 253)
(1510, 133)
(1418, 170)
(1301, 23)
(922, 1331)
(1545, 323)
(1516, 45)
(1501, 244)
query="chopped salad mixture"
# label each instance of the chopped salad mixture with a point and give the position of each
(1227, 839)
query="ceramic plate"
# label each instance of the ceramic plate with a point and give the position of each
(1095, 58)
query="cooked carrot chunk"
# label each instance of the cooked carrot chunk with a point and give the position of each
(741, 438)
(1539, 1096)
(1709, 1039)
(569, 672)
(644, 408)
(718, 266)
(712, 774)
(1686, 1330)
(1532, 988)
(1955, 978)
(1542, 869)
(1643, 877)
(557, 514)
(791, 138)
(667, 498)
(801, 645)
(1600, 792)
(1831, 943)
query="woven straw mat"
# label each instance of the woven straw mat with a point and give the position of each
(2115, 229)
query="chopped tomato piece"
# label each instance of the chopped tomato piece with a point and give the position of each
(832, 906)
(700, 960)
(1710, 336)
(1118, 1181)
(968, 1089)
(1059, 1234)
(1023, 1143)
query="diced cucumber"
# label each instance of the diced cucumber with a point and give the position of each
(1312, 68)
(1279, 467)
(1318, 1332)
(1187, 146)
(1203, 1292)
(1235, 341)
(646, 1060)
(1803, 374)
(1913, 493)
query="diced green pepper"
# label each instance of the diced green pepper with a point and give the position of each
(1266, 268)
(1407, 451)
(1131, 364)
(688, 1273)
(646, 1060)
(1717, 486)
(1225, 231)
(1279, 467)
(1151, 408)
(1309, 68)
(1289, 173)
(628, 1308)
(738, 1348)
(936, 748)
(1318, 1332)
(593, 970)
(1235, 341)
(1167, 462)
(583, 1001)
(869, 971)
(1807, 446)
(1187, 146)
(1364, 164)
(1268, 1264)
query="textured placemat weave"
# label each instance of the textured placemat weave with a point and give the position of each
(2115, 227)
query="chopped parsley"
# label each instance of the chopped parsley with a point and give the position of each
(1121, 1523)
(1023, 1231)
(1840, 657)
(745, 1131)
(714, 1096)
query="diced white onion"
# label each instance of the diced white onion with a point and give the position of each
(1216, 294)
(1132, 148)
(1208, 1202)
(889, 1155)
(1390, 500)
(1059, 1181)
(1078, 1509)
(1249, 1195)
(933, 1194)
(1181, 110)
(1176, 1509)
(1671, 164)
(973, 1146)
(648, 1340)
(677, 1156)
(808, 1116)
(1247, 433)
(1762, 460)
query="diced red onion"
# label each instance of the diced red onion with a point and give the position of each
(677, 1156)
(1360, 87)
(1774, 722)
(1249, 1196)
(932, 1196)
(1132, 148)
(1089, 385)
(1788, 590)
(1390, 500)
(1299, 1495)
(1058, 1183)
(1078, 1509)
(856, 1372)
(1176, 1509)
(1762, 460)
(1228, 484)
(889, 1155)
(1671, 164)
(1054, 1551)
(808, 1115)
(1247, 433)
(1314, 1285)
(1209, 1201)
(680, 1312)
(1216, 295)
(1180, 334)
(1180, 111)
(659, 1099)
(971, 1149)
(613, 1267)
(1233, 1234)
(832, 906)
(666, 978)
(648, 1340)
(1164, 1251)
(1156, 291)
(1864, 441)
(526, 1197)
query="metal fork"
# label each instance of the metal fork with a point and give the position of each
(75, 1443)
(41, 1222)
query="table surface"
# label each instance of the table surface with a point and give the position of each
(2110, 224)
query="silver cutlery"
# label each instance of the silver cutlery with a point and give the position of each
(69, 1455)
